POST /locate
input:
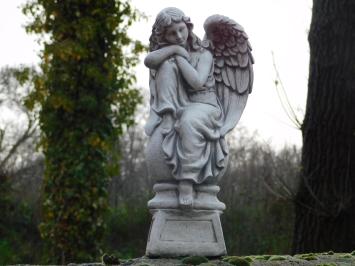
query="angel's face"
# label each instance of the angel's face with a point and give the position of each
(177, 33)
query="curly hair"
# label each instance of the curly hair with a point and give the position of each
(164, 19)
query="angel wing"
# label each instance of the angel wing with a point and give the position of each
(233, 66)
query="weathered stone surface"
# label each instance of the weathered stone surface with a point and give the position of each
(263, 260)
(177, 233)
(192, 109)
(324, 259)
(204, 197)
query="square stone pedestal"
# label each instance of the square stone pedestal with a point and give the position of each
(176, 232)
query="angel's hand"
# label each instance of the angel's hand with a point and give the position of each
(156, 58)
(181, 51)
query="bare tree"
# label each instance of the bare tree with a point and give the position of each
(18, 135)
(258, 190)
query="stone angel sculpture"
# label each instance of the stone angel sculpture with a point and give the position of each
(199, 89)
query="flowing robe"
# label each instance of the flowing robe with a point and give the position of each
(191, 142)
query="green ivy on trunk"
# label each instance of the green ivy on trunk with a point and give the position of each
(86, 99)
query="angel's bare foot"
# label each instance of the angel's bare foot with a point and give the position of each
(185, 194)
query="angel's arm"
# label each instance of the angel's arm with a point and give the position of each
(155, 58)
(196, 77)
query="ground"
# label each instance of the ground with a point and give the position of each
(323, 259)
(311, 259)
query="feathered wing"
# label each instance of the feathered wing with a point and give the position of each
(233, 66)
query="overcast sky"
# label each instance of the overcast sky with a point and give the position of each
(278, 26)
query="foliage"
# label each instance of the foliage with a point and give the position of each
(127, 229)
(19, 236)
(239, 261)
(194, 260)
(277, 258)
(308, 256)
(257, 190)
(110, 260)
(18, 138)
(257, 229)
(86, 98)
(6, 254)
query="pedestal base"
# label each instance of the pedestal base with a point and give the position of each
(177, 232)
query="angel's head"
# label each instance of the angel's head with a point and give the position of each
(173, 27)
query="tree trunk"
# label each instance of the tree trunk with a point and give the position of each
(325, 202)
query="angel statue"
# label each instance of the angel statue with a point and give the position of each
(198, 92)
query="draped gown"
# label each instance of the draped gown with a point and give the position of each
(189, 146)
